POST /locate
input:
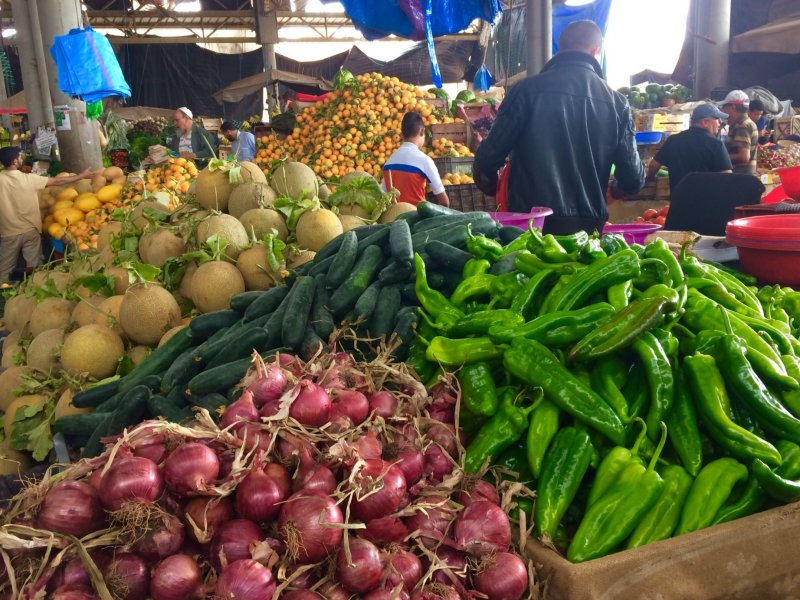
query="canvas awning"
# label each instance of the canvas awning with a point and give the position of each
(304, 84)
(781, 37)
(17, 104)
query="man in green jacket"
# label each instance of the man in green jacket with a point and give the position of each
(191, 140)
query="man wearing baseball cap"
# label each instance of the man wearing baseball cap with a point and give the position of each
(742, 140)
(696, 150)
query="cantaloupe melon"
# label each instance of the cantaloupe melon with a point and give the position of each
(226, 227)
(51, 313)
(138, 353)
(45, 350)
(12, 349)
(168, 336)
(103, 259)
(394, 210)
(137, 214)
(294, 260)
(294, 179)
(15, 405)
(64, 405)
(92, 350)
(213, 188)
(11, 379)
(247, 196)
(353, 210)
(255, 269)
(324, 192)
(214, 284)
(105, 233)
(108, 314)
(59, 279)
(185, 287)
(351, 222)
(121, 279)
(251, 172)
(315, 228)
(17, 312)
(83, 186)
(155, 247)
(86, 310)
(258, 222)
(147, 312)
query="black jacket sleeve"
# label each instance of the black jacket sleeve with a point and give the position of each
(628, 168)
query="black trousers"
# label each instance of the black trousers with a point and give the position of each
(568, 225)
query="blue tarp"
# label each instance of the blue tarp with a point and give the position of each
(563, 15)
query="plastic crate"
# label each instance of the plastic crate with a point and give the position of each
(452, 164)
(467, 197)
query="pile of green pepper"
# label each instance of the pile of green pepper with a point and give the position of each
(643, 394)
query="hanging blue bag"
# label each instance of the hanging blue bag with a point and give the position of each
(482, 80)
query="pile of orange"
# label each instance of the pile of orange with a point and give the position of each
(174, 175)
(446, 148)
(354, 129)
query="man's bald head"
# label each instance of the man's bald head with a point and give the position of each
(581, 36)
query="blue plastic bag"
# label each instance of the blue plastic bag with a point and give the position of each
(87, 66)
(482, 80)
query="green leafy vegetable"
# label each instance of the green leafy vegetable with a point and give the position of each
(293, 209)
(99, 283)
(31, 432)
(364, 192)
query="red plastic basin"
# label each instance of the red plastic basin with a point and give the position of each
(769, 247)
(634, 233)
(538, 214)
(790, 180)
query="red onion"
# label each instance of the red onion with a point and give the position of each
(381, 490)
(128, 577)
(95, 478)
(312, 406)
(291, 363)
(304, 524)
(259, 494)
(314, 476)
(162, 539)
(207, 514)
(368, 446)
(269, 383)
(233, 541)
(504, 578)
(339, 424)
(245, 580)
(402, 567)
(290, 447)
(177, 577)
(253, 435)
(71, 507)
(437, 591)
(444, 434)
(130, 478)
(455, 560)
(436, 465)
(190, 468)
(300, 595)
(480, 489)
(352, 404)
(386, 530)
(74, 571)
(305, 580)
(242, 410)
(343, 374)
(152, 448)
(482, 528)
(383, 404)
(363, 572)
(385, 594)
(333, 591)
(432, 520)
(410, 461)
(74, 591)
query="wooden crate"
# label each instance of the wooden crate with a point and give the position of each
(458, 133)
(211, 125)
(786, 126)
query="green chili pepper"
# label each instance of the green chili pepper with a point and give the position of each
(616, 514)
(747, 280)
(663, 518)
(713, 405)
(526, 298)
(613, 243)
(475, 286)
(557, 328)
(564, 467)
(599, 275)
(530, 264)
(791, 304)
(482, 247)
(479, 323)
(520, 243)
(454, 353)
(619, 295)
(534, 364)
(602, 381)
(658, 371)
(717, 292)
(506, 287)
(790, 398)
(541, 430)
(694, 268)
(623, 328)
(501, 431)
(592, 251)
(749, 501)
(636, 392)
(550, 250)
(741, 415)
(434, 303)
(475, 266)
(572, 243)
(750, 390)
(682, 426)
(478, 391)
(416, 358)
(613, 464)
(711, 488)
(515, 459)
(777, 487)
(790, 459)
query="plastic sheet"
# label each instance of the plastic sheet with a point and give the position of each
(482, 80)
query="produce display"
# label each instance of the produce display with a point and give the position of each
(457, 178)
(776, 156)
(651, 215)
(654, 95)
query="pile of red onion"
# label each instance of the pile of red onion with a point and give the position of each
(313, 472)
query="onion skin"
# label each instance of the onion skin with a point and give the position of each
(208, 515)
(302, 523)
(73, 592)
(444, 435)
(364, 573)
(456, 560)
(432, 522)
(245, 580)
(436, 591)
(154, 449)
(436, 465)
(243, 410)
(504, 578)
(234, 540)
(128, 576)
(482, 528)
(479, 490)
(333, 591)
(387, 499)
(130, 478)
(189, 469)
(177, 577)
(71, 507)
(385, 531)
(315, 477)
(402, 567)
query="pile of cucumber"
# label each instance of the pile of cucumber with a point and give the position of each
(364, 279)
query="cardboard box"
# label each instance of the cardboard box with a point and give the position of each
(750, 558)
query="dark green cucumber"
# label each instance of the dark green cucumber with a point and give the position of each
(436, 280)
(94, 396)
(222, 378)
(274, 325)
(240, 347)
(94, 446)
(321, 318)
(312, 344)
(400, 242)
(82, 424)
(332, 247)
(267, 303)
(410, 216)
(508, 233)
(343, 261)
(363, 273)
(376, 239)
(242, 300)
(455, 235)
(209, 349)
(159, 359)
(319, 266)
(404, 332)
(365, 305)
(297, 311)
(385, 315)
(131, 410)
(181, 370)
(111, 404)
(161, 406)
(212, 403)
(507, 264)
(445, 256)
(396, 272)
(205, 325)
(152, 382)
(409, 293)
(427, 210)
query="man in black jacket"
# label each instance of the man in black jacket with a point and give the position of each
(563, 129)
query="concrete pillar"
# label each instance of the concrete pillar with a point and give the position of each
(539, 26)
(267, 34)
(79, 147)
(37, 89)
(712, 31)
